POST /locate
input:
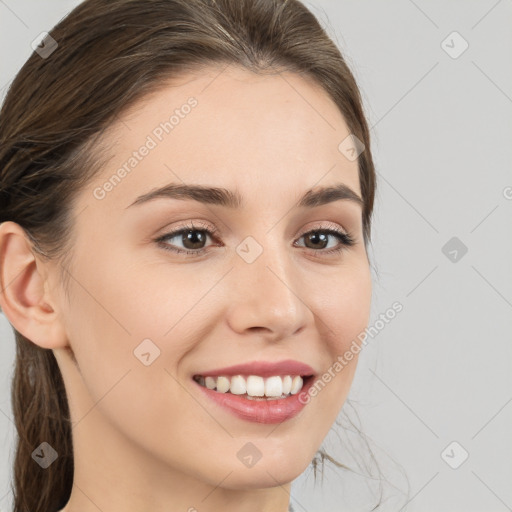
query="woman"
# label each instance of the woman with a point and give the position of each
(187, 191)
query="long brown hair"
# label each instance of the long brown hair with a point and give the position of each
(109, 55)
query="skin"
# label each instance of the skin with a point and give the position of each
(144, 437)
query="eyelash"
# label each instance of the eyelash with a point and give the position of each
(346, 240)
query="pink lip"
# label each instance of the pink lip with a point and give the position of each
(260, 411)
(262, 368)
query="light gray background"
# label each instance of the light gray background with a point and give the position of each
(442, 141)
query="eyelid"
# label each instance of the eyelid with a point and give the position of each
(202, 225)
(198, 225)
(325, 225)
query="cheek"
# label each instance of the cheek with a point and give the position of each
(127, 301)
(108, 322)
(343, 311)
(344, 306)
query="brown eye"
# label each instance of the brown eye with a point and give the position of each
(189, 239)
(193, 240)
(318, 240)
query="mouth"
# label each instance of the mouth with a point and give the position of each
(258, 391)
(255, 387)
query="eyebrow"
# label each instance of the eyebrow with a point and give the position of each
(230, 199)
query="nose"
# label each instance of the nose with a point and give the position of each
(268, 298)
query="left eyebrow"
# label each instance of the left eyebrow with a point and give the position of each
(229, 199)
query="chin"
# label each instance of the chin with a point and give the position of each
(270, 470)
(262, 477)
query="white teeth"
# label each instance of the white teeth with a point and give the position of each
(237, 385)
(222, 384)
(296, 385)
(254, 386)
(274, 386)
(287, 384)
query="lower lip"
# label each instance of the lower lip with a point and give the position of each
(259, 411)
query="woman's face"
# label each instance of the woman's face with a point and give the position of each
(262, 281)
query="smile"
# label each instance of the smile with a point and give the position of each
(254, 387)
(253, 398)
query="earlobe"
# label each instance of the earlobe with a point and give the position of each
(24, 298)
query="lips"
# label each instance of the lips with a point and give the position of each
(257, 409)
(262, 368)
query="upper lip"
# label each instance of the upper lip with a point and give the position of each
(263, 368)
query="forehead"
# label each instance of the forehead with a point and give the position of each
(261, 134)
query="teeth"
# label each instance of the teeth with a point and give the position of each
(210, 382)
(274, 386)
(254, 385)
(296, 385)
(222, 384)
(287, 384)
(237, 385)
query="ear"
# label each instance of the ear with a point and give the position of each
(25, 298)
